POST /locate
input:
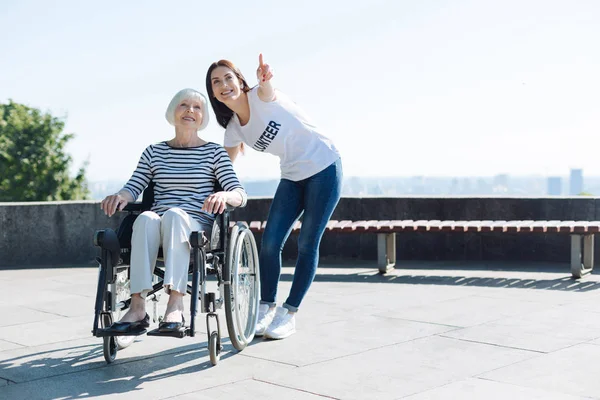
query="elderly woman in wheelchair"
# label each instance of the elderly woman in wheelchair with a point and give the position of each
(178, 178)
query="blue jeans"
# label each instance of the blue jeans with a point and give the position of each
(316, 197)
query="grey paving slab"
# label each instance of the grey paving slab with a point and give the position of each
(390, 297)
(34, 287)
(86, 289)
(477, 389)
(64, 308)
(466, 311)
(58, 330)
(399, 370)
(249, 389)
(4, 345)
(315, 312)
(591, 304)
(17, 315)
(12, 296)
(27, 274)
(158, 377)
(84, 284)
(573, 371)
(50, 284)
(544, 331)
(318, 343)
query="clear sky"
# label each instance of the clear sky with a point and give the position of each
(428, 87)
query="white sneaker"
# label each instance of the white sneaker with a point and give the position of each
(283, 325)
(265, 316)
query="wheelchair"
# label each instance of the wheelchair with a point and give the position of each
(230, 254)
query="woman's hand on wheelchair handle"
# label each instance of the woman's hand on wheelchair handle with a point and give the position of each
(112, 203)
(215, 203)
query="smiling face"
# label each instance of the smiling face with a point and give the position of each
(188, 113)
(225, 85)
(188, 109)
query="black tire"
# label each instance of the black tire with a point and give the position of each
(213, 349)
(242, 294)
(110, 348)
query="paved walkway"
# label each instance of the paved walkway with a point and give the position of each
(425, 331)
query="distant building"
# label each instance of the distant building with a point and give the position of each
(500, 184)
(454, 186)
(501, 180)
(554, 185)
(576, 182)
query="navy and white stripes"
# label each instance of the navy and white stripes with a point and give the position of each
(184, 177)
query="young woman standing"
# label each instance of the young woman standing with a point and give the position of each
(311, 177)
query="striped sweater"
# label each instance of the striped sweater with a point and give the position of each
(184, 177)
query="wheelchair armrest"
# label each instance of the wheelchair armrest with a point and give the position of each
(107, 239)
(137, 206)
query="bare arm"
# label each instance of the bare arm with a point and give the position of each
(126, 194)
(139, 180)
(235, 198)
(216, 202)
(264, 73)
(116, 202)
(233, 192)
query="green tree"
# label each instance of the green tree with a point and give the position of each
(33, 163)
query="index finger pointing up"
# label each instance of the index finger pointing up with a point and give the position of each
(260, 60)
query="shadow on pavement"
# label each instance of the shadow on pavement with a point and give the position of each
(434, 274)
(125, 375)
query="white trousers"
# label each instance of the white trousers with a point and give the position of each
(173, 232)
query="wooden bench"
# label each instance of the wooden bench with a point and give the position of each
(581, 232)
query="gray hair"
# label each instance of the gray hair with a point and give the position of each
(188, 94)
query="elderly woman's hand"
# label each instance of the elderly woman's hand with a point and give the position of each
(112, 203)
(215, 203)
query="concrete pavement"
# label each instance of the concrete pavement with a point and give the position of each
(425, 331)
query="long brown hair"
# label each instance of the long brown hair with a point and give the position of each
(222, 112)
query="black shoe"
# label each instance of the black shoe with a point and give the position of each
(171, 326)
(127, 328)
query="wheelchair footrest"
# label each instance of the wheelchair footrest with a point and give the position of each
(107, 332)
(180, 333)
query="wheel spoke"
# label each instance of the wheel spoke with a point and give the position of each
(242, 295)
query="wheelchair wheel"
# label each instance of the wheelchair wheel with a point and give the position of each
(122, 293)
(242, 295)
(213, 349)
(215, 235)
(110, 348)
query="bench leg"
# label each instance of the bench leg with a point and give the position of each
(386, 251)
(582, 264)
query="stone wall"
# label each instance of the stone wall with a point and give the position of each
(61, 233)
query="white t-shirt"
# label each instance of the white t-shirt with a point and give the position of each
(281, 128)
